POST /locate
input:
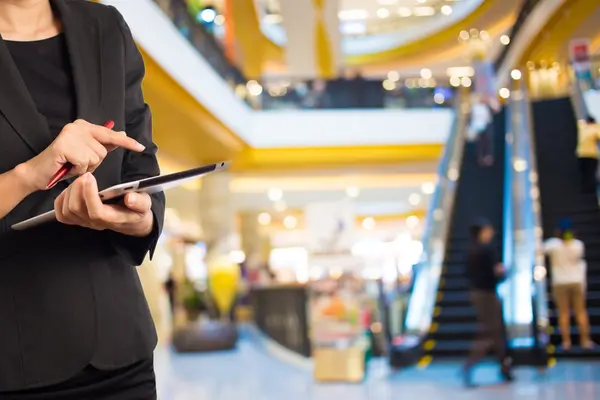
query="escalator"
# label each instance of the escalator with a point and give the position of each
(555, 143)
(479, 195)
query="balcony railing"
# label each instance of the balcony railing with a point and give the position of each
(297, 94)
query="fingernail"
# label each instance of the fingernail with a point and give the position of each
(141, 147)
(122, 133)
(132, 199)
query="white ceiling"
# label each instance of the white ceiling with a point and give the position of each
(371, 201)
(371, 6)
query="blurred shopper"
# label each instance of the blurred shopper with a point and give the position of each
(484, 272)
(587, 151)
(74, 322)
(317, 95)
(480, 131)
(568, 269)
(171, 289)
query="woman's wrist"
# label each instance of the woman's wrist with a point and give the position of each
(23, 179)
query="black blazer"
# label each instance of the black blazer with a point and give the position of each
(71, 297)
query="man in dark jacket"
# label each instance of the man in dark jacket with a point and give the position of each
(484, 272)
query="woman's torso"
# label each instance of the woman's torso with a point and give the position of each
(588, 136)
(566, 261)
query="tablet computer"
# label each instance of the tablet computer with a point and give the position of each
(152, 185)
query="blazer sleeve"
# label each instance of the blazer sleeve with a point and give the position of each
(138, 125)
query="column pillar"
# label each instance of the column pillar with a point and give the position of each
(217, 215)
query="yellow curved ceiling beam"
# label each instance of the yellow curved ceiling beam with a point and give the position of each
(551, 43)
(183, 128)
(189, 133)
(453, 52)
(311, 158)
(274, 54)
(427, 43)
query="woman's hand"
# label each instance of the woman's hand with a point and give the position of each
(80, 205)
(80, 143)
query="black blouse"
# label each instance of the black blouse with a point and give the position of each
(46, 70)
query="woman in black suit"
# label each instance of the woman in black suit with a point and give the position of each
(74, 323)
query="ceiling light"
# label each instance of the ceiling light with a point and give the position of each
(421, 1)
(368, 223)
(412, 221)
(389, 85)
(446, 10)
(439, 98)
(464, 35)
(280, 206)
(290, 222)
(455, 81)
(484, 35)
(275, 194)
(383, 13)
(427, 187)
(460, 71)
(352, 191)
(404, 12)
(466, 81)
(426, 73)
(353, 14)
(515, 74)
(505, 40)
(504, 93)
(394, 76)
(414, 199)
(273, 19)
(264, 218)
(219, 20)
(424, 11)
(207, 15)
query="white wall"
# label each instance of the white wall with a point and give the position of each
(160, 39)
(350, 127)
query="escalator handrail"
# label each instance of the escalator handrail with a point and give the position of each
(523, 134)
(577, 97)
(437, 225)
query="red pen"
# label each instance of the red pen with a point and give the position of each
(67, 167)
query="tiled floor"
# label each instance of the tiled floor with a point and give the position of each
(248, 373)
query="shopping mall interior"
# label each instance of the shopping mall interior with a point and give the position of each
(366, 138)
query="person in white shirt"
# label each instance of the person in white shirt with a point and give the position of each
(480, 131)
(588, 137)
(568, 268)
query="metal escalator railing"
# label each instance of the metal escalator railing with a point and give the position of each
(526, 307)
(427, 274)
(526, 9)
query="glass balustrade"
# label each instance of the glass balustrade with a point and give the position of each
(427, 273)
(288, 93)
(524, 291)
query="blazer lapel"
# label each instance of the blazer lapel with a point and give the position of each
(84, 46)
(18, 107)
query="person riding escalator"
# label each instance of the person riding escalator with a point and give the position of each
(484, 273)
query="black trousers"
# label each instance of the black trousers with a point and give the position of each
(491, 334)
(588, 168)
(136, 382)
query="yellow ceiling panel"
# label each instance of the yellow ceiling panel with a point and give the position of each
(187, 132)
(551, 42)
